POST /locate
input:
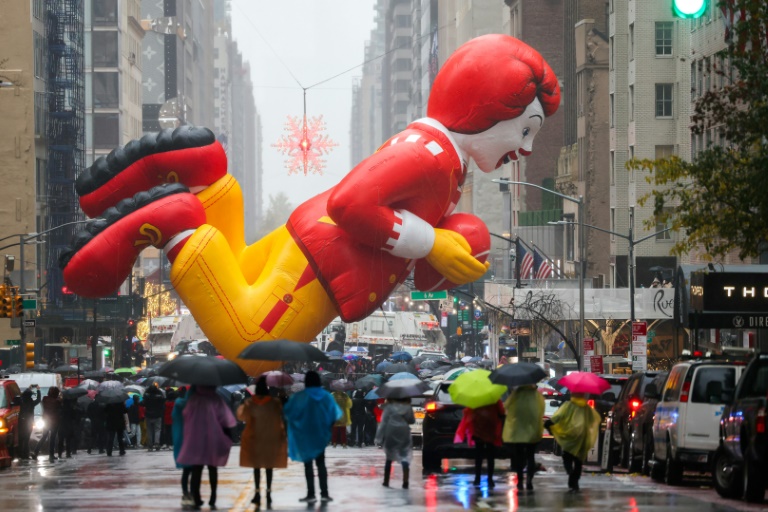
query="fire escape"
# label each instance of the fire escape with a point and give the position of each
(65, 131)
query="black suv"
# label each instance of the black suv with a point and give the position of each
(740, 462)
(622, 413)
(641, 426)
(441, 419)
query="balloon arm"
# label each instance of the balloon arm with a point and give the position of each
(451, 255)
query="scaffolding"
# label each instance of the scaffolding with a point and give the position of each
(65, 77)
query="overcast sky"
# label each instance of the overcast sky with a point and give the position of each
(315, 40)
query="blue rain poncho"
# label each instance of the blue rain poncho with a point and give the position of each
(309, 415)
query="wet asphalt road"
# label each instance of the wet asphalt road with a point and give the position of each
(149, 481)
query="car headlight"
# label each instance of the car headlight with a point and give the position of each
(2, 423)
(172, 355)
(39, 424)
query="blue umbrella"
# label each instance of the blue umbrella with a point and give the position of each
(334, 353)
(351, 357)
(401, 356)
(372, 395)
(382, 366)
(403, 376)
(475, 360)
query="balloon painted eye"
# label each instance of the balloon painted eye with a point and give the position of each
(526, 131)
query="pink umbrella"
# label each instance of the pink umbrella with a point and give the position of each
(584, 382)
(278, 379)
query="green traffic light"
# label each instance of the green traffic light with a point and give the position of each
(689, 9)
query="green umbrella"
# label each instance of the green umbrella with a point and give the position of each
(474, 389)
(126, 370)
(454, 373)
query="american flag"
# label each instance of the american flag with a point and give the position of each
(526, 262)
(543, 267)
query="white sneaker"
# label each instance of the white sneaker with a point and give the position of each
(187, 501)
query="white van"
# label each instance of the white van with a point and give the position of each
(686, 426)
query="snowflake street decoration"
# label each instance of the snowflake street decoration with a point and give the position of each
(304, 143)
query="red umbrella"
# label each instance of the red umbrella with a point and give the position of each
(584, 382)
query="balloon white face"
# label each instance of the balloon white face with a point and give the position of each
(505, 140)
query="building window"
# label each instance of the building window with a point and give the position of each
(631, 158)
(613, 224)
(632, 42)
(38, 9)
(106, 131)
(693, 81)
(663, 38)
(104, 49)
(666, 235)
(38, 42)
(611, 50)
(41, 108)
(631, 102)
(106, 91)
(664, 152)
(664, 100)
(612, 163)
(402, 21)
(104, 12)
(612, 116)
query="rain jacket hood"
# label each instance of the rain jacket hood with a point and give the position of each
(309, 415)
(575, 427)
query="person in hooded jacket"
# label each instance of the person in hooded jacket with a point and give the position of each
(116, 418)
(575, 426)
(177, 430)
(339, 435)
(357, 415)
(263, 443)
(208, 424)
(70, 426)
(27, 418)
(309, 415)
(394, 435)
(523, 428)
(95, 413)
(482, 428)
(154, 404)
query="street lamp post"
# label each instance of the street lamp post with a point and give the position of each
(631, 251)
(582, 254)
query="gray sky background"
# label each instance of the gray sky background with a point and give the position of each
(315, 40)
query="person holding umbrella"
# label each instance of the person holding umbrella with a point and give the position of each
(357, 414)
(154, 411)
(52, 417)
(264, 440)
(27, 418)
(394, 434)
(177, 430)
(309, 415)
(116, 419)
(523, 426)
(575, 425)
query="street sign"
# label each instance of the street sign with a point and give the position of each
(29, 323)
(589, 346)
(429, 295)
(639, 346)
(29, 303)
(13, 343)
(478, 314)
(596, 364)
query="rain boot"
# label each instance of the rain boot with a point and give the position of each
(406, 474)
(387, 471)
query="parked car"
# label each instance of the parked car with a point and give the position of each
(641, 436)
(628, 402)
(739, 467)
(10, 405)
(441, 419)
(687, 420)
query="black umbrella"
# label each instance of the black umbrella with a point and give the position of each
(518, 374)
(429, 365)
(74, 392)
(403, 388)
(282, 350)
(111, 396)
(204, 371)
(397, 368)
(95, 374)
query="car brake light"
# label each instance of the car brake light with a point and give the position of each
(433, 406)
(635, 404)
(760, 422)
(591, 403)
(684, 392)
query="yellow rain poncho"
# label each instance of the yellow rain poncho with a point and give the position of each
(525, 416)
(575, 427)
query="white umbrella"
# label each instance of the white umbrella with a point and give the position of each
(465, 359)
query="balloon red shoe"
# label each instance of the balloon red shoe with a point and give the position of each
(103, 254)
(188, 155)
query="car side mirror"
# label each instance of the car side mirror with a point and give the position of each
(651, 391)
(608, 396)
(16, 402)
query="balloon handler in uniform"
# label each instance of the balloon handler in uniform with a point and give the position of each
(342, 252)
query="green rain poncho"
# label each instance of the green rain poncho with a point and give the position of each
(575, 427)
(525, 416)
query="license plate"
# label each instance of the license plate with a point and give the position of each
(419, 415)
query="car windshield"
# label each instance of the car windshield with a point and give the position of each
(710, 382)
(3, 400)
(418, 401)
(442, 394)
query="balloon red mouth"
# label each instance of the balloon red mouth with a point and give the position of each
(524, 152)
(509, 157)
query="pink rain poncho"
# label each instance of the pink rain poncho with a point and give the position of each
(206, 415)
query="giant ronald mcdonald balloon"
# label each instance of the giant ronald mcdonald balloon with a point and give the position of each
(342, 252)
